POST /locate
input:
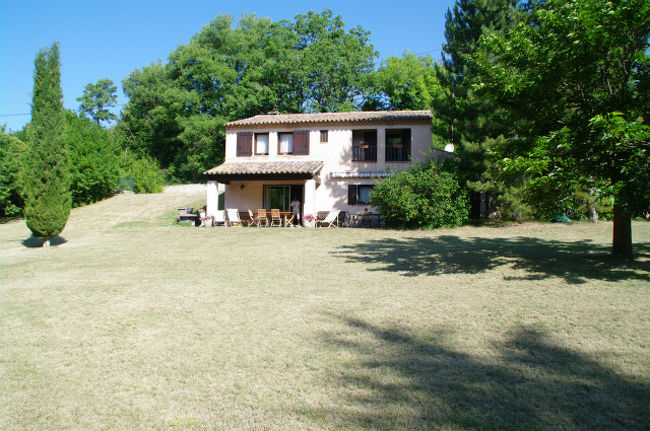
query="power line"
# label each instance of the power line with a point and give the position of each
(29, 113)
(428, 51)
(15, 115)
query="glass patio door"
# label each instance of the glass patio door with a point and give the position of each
(277, 197)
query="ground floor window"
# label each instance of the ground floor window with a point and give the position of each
(359, 194)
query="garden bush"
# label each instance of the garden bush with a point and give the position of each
(12, 152)
(428, 195)
(140, 175)
(94, 160)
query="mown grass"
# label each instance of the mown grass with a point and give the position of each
(133, 323)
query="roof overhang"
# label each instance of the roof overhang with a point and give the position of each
(333, 119)
(278, 170)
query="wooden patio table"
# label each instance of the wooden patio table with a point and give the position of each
(284, 215)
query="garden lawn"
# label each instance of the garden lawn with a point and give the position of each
(132, 323)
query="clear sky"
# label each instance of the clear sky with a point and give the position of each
(110, 39)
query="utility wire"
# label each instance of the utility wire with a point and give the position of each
(15, 115)
(29, 113)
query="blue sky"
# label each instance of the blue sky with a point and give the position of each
(111, 39)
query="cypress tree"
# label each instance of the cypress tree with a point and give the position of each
(46, 175)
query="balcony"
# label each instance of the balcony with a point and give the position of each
(364, 153)
(398, 153)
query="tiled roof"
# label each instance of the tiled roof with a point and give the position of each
(310, 167)
(333, 117)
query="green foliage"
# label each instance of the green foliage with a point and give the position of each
(46, 173)
(140, 175)
(621, 155)
(471, 117)
(331, 61)
(96, 100)
(428, 195)
(407, 82)
(94, 160)
(177, 110)
(12, 153)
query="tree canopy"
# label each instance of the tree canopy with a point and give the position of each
(177, 110)
(572, 83)
(97, 99)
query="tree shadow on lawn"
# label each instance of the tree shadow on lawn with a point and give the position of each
(33, 242)
(404, 381)
(575, 262)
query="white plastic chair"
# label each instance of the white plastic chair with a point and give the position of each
(233, 217)
(331, 219)
(219, 218)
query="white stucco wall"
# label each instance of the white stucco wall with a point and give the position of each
(331, 193)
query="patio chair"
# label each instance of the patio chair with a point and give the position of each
(252, 219)
(330, 220)
(288, 220)
(261, 217)
(233, 217)
(276, 220)
(219, 218)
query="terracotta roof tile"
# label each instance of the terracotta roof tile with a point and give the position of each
(310, 167)
(333, 117)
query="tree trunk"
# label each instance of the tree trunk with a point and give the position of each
(622, 240)
(593, 214)
(46, 243)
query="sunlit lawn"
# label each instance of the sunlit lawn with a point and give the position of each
(133, 323)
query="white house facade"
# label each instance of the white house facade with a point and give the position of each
(325, 160)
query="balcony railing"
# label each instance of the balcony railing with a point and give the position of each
(364, 153)
(398, 154)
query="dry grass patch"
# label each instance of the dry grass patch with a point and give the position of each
(132, 323)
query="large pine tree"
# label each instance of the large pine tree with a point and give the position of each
(46, 175)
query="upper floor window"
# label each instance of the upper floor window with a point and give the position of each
(262, 143)
(398, 145)
(364, 146)
(323, 136)
(296, 143)
(285, 142)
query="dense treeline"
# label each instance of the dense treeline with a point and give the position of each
(177, 110)
(96, 165)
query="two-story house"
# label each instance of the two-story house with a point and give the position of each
(327, 160)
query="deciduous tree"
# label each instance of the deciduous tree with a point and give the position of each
(97, 99)
(574, 85)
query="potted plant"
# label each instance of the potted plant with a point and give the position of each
(364, 144)
(206, 221)
(308, 220)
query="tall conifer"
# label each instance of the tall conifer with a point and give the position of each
(46, 175)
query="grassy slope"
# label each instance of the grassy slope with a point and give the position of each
(131, 323)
